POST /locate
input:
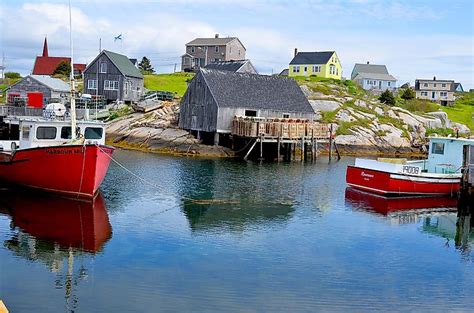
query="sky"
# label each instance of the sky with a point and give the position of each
(415, 39)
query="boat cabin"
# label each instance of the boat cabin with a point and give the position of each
(33, 133)
(446, 154)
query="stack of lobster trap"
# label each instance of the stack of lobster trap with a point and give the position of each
(285, 128)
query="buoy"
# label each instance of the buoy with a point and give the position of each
(3, 308)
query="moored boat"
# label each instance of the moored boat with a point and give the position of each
(439, 174)
(46, 158)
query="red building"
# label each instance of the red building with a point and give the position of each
(45, 65)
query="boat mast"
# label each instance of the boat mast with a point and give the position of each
(73, 100)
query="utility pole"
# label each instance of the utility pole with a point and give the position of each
(3, 65)
(175, 67)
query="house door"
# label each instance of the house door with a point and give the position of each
(380, 84)
(433, 95)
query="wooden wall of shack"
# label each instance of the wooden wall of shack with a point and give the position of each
(198, 108)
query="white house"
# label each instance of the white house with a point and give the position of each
(373, 77)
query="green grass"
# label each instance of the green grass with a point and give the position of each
(345, 127)
(443, 132)
(176, 82)
(417, 105)
(3, 93)
(461, 113)
(465, 98)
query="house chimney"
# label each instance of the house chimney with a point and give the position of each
(216, 36)
(434, 77)
(296, 51)
(45, 47)
(368, 62)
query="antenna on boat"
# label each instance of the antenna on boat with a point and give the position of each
(73, 100)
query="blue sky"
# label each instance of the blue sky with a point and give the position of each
(415, 39)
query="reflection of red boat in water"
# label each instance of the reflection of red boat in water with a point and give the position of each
(69, 223)
(385, 205)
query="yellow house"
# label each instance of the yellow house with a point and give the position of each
(323, 64)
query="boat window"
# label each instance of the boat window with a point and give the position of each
(66, 132)
(93, 133)
(437, 148)
(26, 132)
(46, 132)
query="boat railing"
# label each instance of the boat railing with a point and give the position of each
(7, 110)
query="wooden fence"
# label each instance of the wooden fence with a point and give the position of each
(285, 128)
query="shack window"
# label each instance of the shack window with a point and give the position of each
(250, 113)
(437, 148)
(93, 133)
(103, 67)
(46, 132)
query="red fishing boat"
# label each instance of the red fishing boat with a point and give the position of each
(439, 174)
(46, 158)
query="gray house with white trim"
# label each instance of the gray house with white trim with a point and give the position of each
(203, 51)
(373, 77)
(113, 76)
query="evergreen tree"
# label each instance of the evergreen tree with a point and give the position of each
(64, 69)
(387, 97)
(408, 94)
(145, 66)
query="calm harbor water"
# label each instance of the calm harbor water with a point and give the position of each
(274, 238)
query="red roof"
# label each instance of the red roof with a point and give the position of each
(47, 65)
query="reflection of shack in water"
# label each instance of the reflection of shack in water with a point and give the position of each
(237, 216)
(55, 231)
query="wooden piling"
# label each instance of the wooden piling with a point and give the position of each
(278, 149)
(261, 147)
(330, 142)
(302, 148)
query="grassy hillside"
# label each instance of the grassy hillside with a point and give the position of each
(175, 82)
(463, 109)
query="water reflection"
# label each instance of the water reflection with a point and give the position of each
(56, 232)
(235, 216)
(437, 215)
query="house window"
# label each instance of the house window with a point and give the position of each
(250, 113)
(443, 94)
(388, 84)
(111, 85)
(316, 68)
(305, 69)
(46, 132)
(443, 85)
(193, 49)
(92, 84)
(286, 115)
(216, 49)
(103, 67)
(425, 85)
(424, 93)
(437, 148)
(337, 71)
(434, 85)
(332, 69)
(296, 69)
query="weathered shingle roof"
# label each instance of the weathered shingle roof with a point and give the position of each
(231, 66)
(55, 84)
(321, 57)
(284, 72)
(210, 41)
(242, 90)
(370, 68)
(124, 65)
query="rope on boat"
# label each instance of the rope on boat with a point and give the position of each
(150, 183)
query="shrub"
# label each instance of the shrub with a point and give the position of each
(387, 98)
(64, 69)
(408, 94)
(12, 75)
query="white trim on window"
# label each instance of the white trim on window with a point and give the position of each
(111, 85)
(103, 67)
(91, 84)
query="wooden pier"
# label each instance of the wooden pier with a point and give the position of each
(294, 138)
(468, 171)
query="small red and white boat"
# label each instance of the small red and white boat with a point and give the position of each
(46, 158)
(439, 174)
